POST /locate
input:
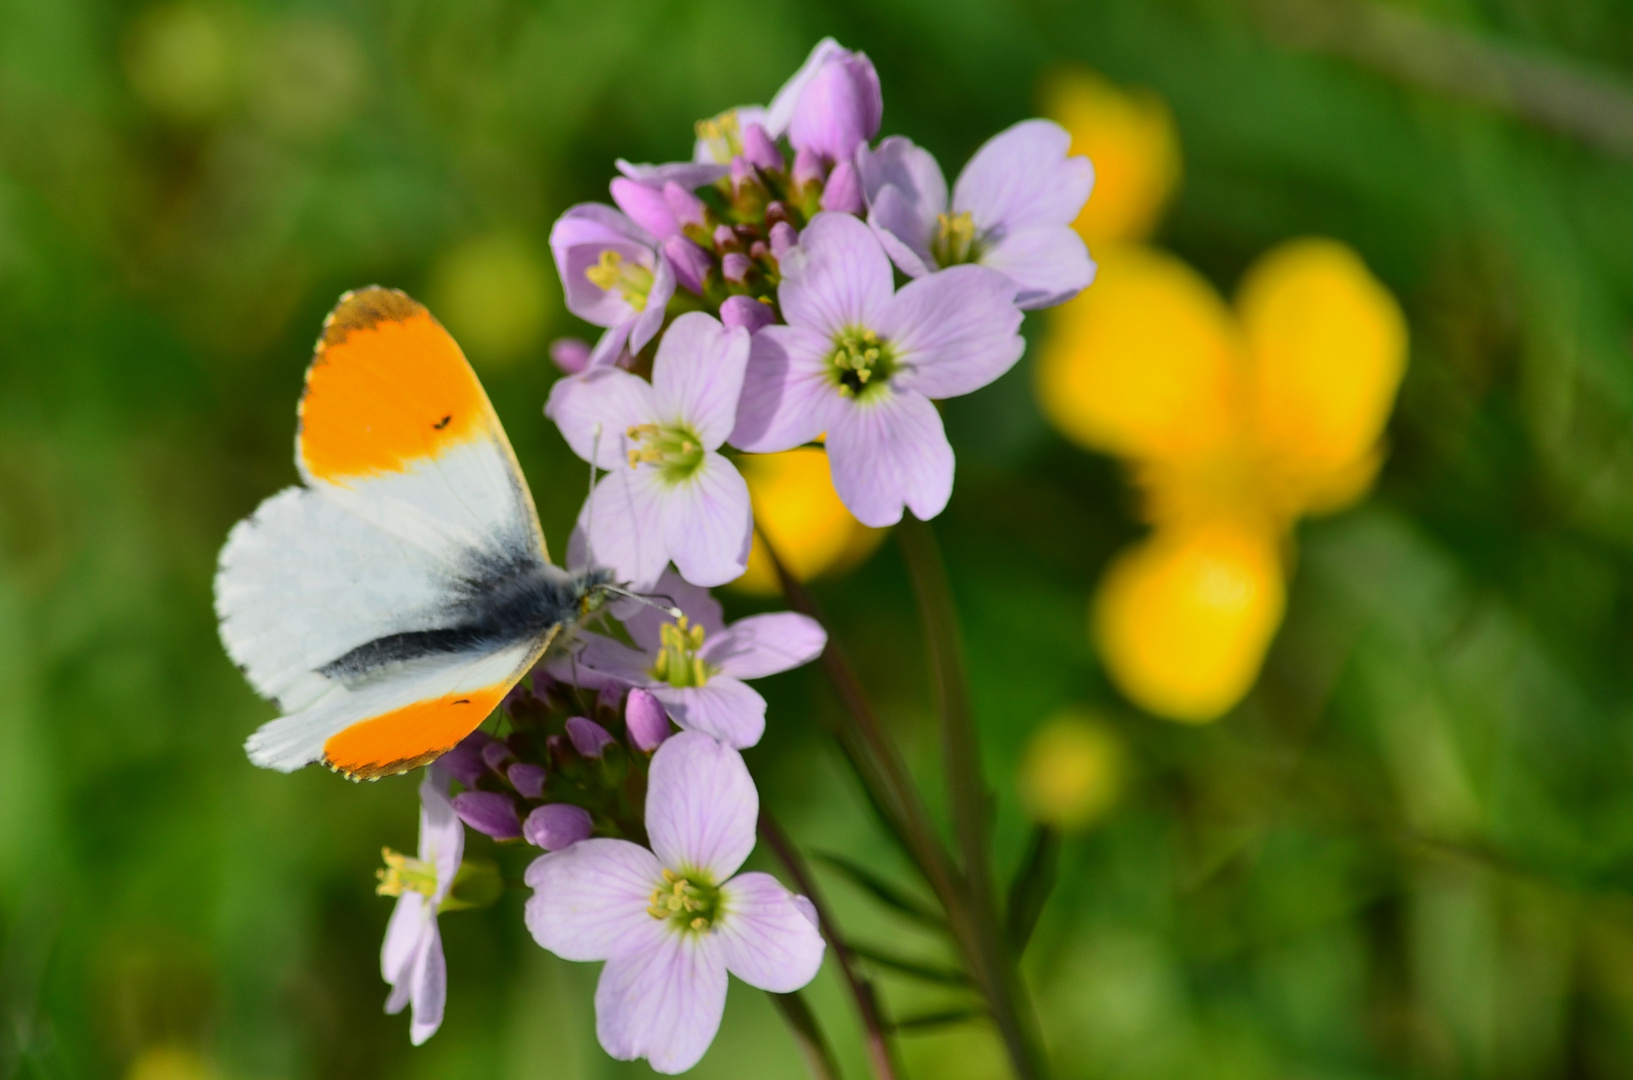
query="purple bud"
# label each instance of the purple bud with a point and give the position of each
(807, 169)
(690, 263)
(644, 717)
(776, 210)
(844, 190)
(758, 250)
(735, 266)
(742, 172)
(646, 206)
(557, 750)
(495, 754)
(571, 354)
(751, 314)
(687, 208)
(590, 739)
(760, 150)
(839, 109)
(783, 237)
(527, 779)
(724, 237)
(554, 826)
(464, 762)
(489, 812)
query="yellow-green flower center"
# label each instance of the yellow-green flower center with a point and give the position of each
(690, 903)
(674, 448)
(722, 134)
(405, 874)
(678, 662)
(954, 242)
(613, 273)
(860, 362)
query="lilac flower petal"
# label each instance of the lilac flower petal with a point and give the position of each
(663, 1003)
(699, 605)
(838, 277)
(646, 206)
(697, 376)
(570, 354)
(1049, 264)
(405, 935)
(430, 989)
(589, 738)
(600, 655)
(689, 263)
(464, 762)
(891, 452)
(789, 396)
(527, 778)
(747, 312)
(556, 826)
(623, 524)
(839, 108)
(645, 721)
(894, 220)
(609, 348)
(724, 708)
(689, 210)
(577, 240)
(701, 806)
(955, 331)
(487, 812)
(708, 524)
(763, 645)
(766, 939)
(1022, 178)
(780, 113)
(843, 192)
(690, 175)
(442, 838)
(913, 171)
(650, 320)
(589, 900)
(610, 398)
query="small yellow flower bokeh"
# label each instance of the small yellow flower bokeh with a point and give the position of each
(1072, 771)
(795, 505)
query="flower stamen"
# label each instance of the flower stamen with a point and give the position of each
(405, 874)
(675, 449)
(954, 241)
(679, 662)
(691, 903)
(722, 134)
(632, 281)
(860, 359)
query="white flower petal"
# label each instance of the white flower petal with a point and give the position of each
(698, 375)
(589, 900)
(662, 1002)
(707, 523)
(768, 942)
(701, 806)
(607, 398)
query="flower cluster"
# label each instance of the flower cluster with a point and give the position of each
(796, 285)
(794, 289)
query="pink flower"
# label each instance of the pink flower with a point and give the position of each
(671, 922)
(612, 275)
(1012, 210)
(668, 493)
(862, 361)
(695, 667)
(411, 959)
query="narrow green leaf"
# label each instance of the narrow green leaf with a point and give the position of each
(813, 1044)
(925, 1022)
(887, 893)
(929, 971)
(1034, 881)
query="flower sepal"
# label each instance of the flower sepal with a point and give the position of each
(477, 884)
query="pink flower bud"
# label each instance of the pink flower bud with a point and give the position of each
(807, 169)
(761, 150)
(644, 718)
(489, 812)
(687, 208)
(690, 263)
(495, 754)
(554, 826)
(844, 190)
(735, 266)
(646, 206)
(527, 779)
(464, 762)
(839, 109)
(725, 238)
(571, 354)
(783, 237)
(589, 738)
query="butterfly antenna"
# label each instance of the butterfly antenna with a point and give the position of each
(668, 609)
(589, 499)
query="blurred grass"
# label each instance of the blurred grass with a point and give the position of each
(1407, 854)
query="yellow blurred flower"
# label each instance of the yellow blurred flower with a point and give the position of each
(796, 506)
(1233, 424)
(169, 1063)
(496, 293)
(1130, 138)
(1072, 770)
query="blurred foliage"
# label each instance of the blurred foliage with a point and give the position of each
(1406, 853)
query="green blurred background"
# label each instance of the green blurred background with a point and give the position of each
(1408, 854)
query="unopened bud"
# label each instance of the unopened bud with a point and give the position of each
(735, 267)
(750, 314)
(783, 237)
(572, 355)
(843, 192)
(527, 779)
(464, 762)
(589, 738)
(759, 149)
(554, 826)
(690, 263)
(644, 718)
(490, 813)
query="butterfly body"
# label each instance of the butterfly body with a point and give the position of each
(389, 603)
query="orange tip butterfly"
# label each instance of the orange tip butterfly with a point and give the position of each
(389, 603)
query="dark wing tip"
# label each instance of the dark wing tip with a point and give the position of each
(363, 309)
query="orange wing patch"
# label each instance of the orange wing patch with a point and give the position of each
(387, 386)
(407, 738)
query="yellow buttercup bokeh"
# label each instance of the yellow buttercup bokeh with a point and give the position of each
(796, 506)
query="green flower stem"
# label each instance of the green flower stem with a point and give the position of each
(819, 1056)
(987, 949)
(881, 1051)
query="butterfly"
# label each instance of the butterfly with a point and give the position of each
(389, 603)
